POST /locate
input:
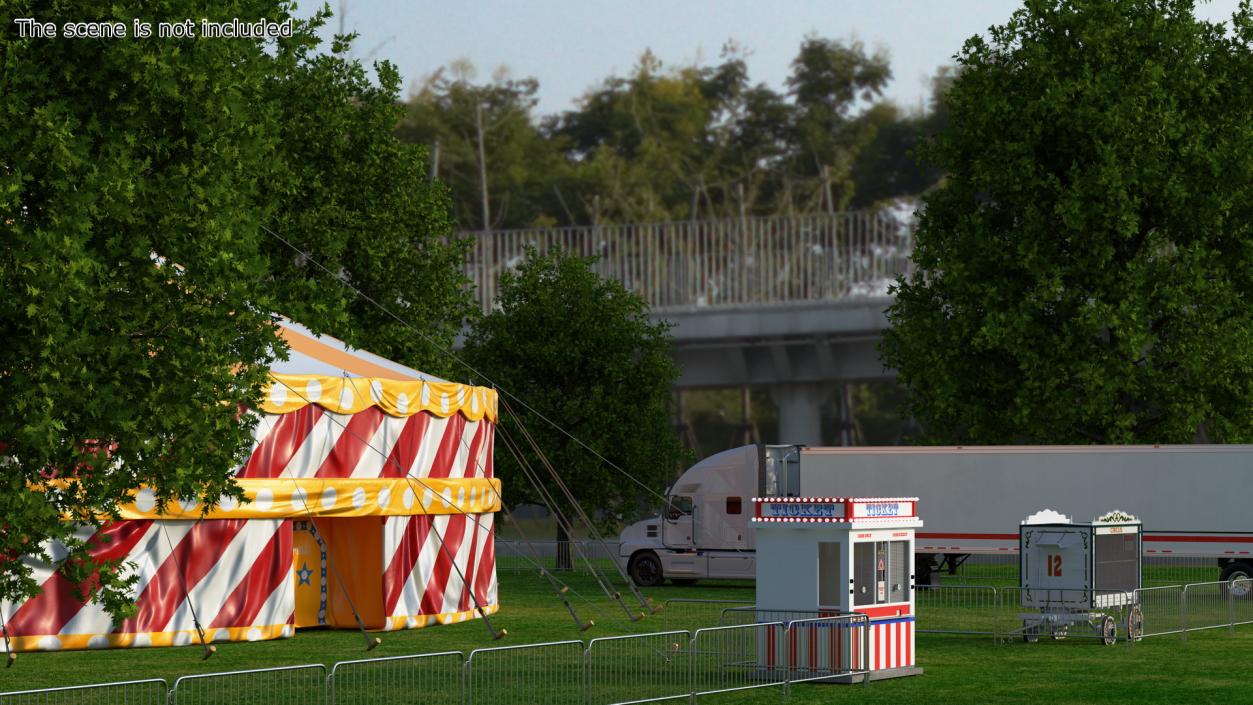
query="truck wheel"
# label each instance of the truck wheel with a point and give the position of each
(645, 569)
(1240, 577)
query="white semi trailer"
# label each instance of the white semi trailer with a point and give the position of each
(1194, 501)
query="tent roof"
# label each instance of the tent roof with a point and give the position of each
(312, 354)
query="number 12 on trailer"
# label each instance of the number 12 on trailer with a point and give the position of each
(1053, 563)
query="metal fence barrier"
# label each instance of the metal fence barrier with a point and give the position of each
(751, 648)
(692, 614)
(434, 679)
(287, 685)
(144, 692)
(534, 674)
(1163, 609)
(1241, 592)
(958, 609)
(740, 657)
(750, 614)
(1215, 605)
(638, 668)
(823, 648)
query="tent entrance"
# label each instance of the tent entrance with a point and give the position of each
(337, 565)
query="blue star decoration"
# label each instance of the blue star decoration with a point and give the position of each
(304, 574)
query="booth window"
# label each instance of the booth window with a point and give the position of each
(679, 506)
(880, 572)
(735, 505)
(828, 574)
(898, 572)
(863, 574)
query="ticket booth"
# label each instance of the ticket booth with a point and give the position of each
(835, 555)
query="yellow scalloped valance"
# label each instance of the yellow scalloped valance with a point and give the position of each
(349, 395)
(302, 497)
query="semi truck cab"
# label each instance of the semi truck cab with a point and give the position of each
(703, 529)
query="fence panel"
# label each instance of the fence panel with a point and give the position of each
(1162, 608)
(751, 614)
(425, 679)
(1241, 601)
(641, 668)
(533, 674)
(959, 609)
(289, 685)
(1207, 606)
(144, 692)
(738, 658)
(691, 614)
(821, 648)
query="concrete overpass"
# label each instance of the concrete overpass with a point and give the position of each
(793, 304)
(800, 352)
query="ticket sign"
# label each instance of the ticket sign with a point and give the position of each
(879, 509)
(802, 510)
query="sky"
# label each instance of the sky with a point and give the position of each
(571, 46)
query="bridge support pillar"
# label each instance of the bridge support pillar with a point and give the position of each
(800, 412)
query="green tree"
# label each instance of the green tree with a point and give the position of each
(888, 167)
(487, 148)
(832, 84)
(353, 196)
(581, 351)
(136, 177)
(1084, 274)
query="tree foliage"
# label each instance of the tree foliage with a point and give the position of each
(673, 142)
(1084, 275)
(136, 177)
(582, 351)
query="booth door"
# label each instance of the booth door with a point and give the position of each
(309, 575)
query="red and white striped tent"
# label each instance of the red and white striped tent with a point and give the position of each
(369, 486)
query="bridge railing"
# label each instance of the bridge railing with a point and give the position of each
(756, 261)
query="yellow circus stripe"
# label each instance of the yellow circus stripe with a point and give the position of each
(138, 640)
(349, 395)
(288, 498)
(418, 621)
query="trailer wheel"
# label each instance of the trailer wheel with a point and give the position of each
(645, 569)
(1135, 623)
(1239, 577)
(1109, 631)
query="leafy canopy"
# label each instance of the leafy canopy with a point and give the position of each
(136, 177)
(580, 350)
(1085, 274)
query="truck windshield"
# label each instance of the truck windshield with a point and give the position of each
(679, 506)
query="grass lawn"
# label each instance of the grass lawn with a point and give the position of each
(1211, 666)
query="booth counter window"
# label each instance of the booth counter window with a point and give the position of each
(880, 573)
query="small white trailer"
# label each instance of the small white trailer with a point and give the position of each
(1195, 498)
(1080, 575)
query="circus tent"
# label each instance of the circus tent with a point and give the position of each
(369, 499)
